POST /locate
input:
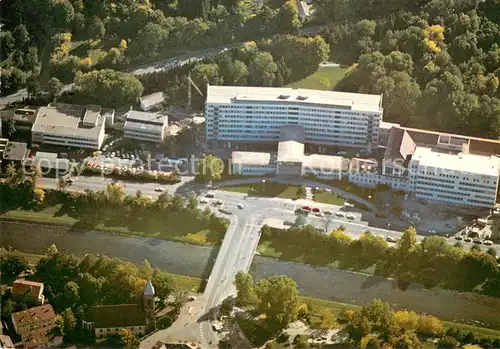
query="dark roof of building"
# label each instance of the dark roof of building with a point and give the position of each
(16, 151)
(402, 142)
(42, 313)
(122, 315)
(24, 287)
(37, 338)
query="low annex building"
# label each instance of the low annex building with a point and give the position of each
(30, 292)
(139, 318)
(150, 127)
(289, 160)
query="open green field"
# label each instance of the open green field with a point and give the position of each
(269, 189)
(325, 78)
(180, 227)
(328, 198)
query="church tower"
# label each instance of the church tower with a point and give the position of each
(149, 306)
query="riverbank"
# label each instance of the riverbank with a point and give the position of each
(193, 284)
(336, 285)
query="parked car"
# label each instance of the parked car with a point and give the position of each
(307, 208)
(218, 202)
(458, 237)
(221, 210)
(191, 298)
(320, 214)
(340, 214)
(467, 239)
(240, 206)
(477, 241)
(315, 209)
(159, 189)
(210, 195)
(328, 213)
(432, 231)
(203, 201)
(390, 239)
(289, 223)
(350, 216)
(488, 242)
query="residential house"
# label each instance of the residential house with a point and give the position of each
(151, 101)
(29, 292)
(35, 326)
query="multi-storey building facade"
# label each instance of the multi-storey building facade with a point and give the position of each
(237, 114)
(145, 126)
(460, 179)
(70, 126)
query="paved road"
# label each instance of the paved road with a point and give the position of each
(276, 208)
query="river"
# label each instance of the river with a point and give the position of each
(326, 283)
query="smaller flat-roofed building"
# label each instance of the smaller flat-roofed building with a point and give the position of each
(15, 152)
(252, 163)
(324, 166)
(152, 101)
(458, 179)
(150, 127)
(50, 162)
(3, 146)
(70, 126)
(30, 292)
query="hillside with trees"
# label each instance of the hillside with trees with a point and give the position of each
(436, 62)
(58, 38)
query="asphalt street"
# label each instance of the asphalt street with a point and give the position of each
(237, 249)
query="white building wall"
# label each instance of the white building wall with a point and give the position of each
(452, 187)
(144, 135)
(104, 332)
(323, 124)
(253, 170)
(69, 141)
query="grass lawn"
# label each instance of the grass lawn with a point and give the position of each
(325, 78)
(176, 227)
(269, 189)
(328, 198)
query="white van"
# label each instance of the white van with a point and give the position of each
(210, 195)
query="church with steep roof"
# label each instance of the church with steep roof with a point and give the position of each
(139, 318)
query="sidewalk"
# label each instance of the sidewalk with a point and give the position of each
(300, 181)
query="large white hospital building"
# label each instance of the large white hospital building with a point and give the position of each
(240, 115)
(293, 123)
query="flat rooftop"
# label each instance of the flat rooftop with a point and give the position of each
(147, 117)
(68, 120)
(402, 142)
(152, 99)
(461, 162)
(325, 162)
(15, 151)
(251, 158)
(341, 100)
(290, 151)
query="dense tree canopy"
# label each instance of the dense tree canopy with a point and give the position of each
(109, 88)
(447, 68)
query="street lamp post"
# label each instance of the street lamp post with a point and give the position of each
(263, 185)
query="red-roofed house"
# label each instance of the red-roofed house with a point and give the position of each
(28, 291)
(34, 326)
